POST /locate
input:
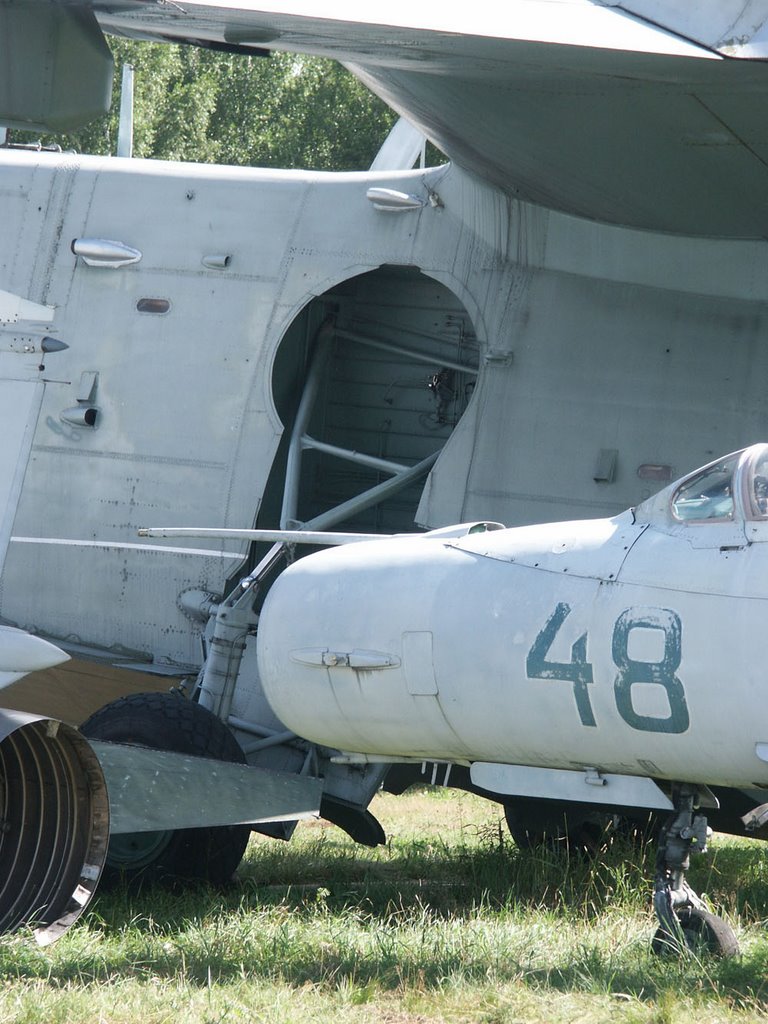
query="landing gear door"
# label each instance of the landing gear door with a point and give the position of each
(19, 408)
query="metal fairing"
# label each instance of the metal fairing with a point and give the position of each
(595, 548)
(157, 789)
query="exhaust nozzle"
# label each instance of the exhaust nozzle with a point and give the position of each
(54, 824)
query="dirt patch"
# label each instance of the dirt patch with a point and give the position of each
(73, 691)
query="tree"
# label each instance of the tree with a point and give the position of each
(282, 111)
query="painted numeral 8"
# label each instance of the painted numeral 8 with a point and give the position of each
(634, 673)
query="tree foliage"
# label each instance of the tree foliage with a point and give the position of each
(282, 111)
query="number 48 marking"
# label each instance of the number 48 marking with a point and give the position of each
(631, 672)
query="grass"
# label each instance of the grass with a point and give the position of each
(449, 922)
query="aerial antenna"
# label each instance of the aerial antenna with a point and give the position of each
(125, 129)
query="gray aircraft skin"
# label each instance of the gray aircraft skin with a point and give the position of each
(551, 327)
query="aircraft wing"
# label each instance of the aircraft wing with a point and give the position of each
(633, 112)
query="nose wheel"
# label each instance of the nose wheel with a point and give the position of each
(685, 925)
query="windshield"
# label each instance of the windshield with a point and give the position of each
(709, 494)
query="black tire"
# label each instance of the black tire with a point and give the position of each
(575, 828)
(637, 830)
(166, 721)
(703, 933)
(563, 828)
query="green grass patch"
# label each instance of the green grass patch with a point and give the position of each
(449, 921)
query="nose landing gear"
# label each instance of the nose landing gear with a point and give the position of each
(684, 922)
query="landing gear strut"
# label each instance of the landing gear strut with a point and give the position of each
(684, 921)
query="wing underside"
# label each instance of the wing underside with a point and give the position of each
(580, 106)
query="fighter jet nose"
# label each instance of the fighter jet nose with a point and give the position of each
(347, 642)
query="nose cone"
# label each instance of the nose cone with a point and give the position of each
(21, 653)
(346, 641)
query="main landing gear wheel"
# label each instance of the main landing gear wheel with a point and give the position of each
(561, 827)
(685, 925)
(165, 721)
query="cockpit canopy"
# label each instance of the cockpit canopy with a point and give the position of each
(732, 488)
